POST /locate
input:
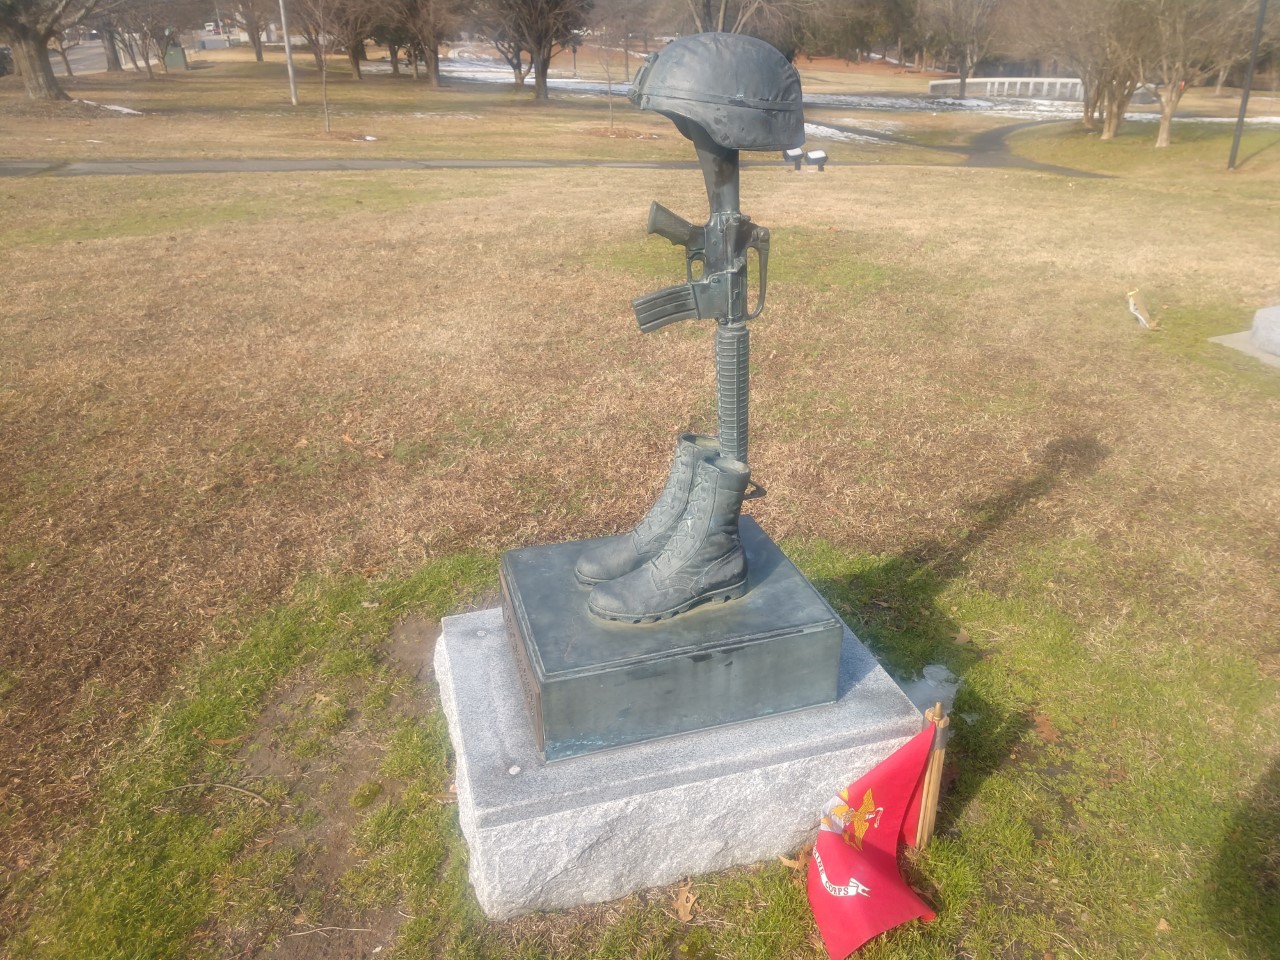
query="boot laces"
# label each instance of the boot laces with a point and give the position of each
(654, 521)
(685, 532)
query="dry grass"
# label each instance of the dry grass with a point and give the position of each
(214, 385)
(231, 107)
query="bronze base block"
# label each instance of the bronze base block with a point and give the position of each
(591, 684)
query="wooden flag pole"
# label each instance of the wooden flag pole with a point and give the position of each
(932, 785)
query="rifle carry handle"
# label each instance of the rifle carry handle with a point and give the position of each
(759, 242)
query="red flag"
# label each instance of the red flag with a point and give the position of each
(855, 889)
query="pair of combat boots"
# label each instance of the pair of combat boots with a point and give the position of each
(684, 552)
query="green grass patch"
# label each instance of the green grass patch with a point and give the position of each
(174, 820)
(1058, 828)
(1198, 150)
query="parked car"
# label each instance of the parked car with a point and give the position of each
(6, 61)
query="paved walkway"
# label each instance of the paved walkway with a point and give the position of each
(987, 149)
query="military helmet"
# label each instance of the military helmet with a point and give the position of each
(741, 90)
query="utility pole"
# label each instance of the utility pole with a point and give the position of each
(288, 55)
(1248, 84)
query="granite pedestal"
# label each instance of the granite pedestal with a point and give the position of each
(1261, 341)
(546, 835)
(592, 684)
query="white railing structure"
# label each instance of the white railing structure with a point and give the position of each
(1035, 88)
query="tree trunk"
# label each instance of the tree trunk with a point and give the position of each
(110, 49)
(1168, 106)
(518, 69)
(31, 57)
(146, 56)
(1092, 97)
(415, 52)
(1113, 114)
(432, 57)
(66, 62)
(353, 56)
(256, 40)
(964, 73)
(394, 51)
(128, 48)
(1222, 80)
(541, 64)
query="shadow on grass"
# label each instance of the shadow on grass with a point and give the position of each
(1244, 892)
(1266, 145)
(893, 604)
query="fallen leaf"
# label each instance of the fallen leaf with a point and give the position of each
(962, 636)
(1045, 729)
(346, 438)
(801, 859)
(685, 899)
(1163, 925)
(300, 444)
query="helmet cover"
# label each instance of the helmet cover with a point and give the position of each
(739, 89)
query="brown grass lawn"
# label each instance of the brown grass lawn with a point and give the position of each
(211, 386)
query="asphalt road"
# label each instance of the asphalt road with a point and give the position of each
(86, 57)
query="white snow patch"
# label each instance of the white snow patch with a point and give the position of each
(880, 126)
(471, 64)
(818, 132)
(111, 106)
(970, 102)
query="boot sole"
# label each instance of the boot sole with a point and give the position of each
(724, 595)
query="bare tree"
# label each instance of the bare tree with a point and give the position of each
(27, 26)
(746, 16)
(330, 24)
(1104, 41)
(429, 23)
(61, 44)
(510, 49)
(315, 19)
(253, 17)
(1185, 37)
(536, 27)
(111, 40)
(307, 17)
(154, 25)
(960, 30)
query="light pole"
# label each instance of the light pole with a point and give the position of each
(288, 55)
(1248, 84)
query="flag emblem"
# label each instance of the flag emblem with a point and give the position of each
(851, 824)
